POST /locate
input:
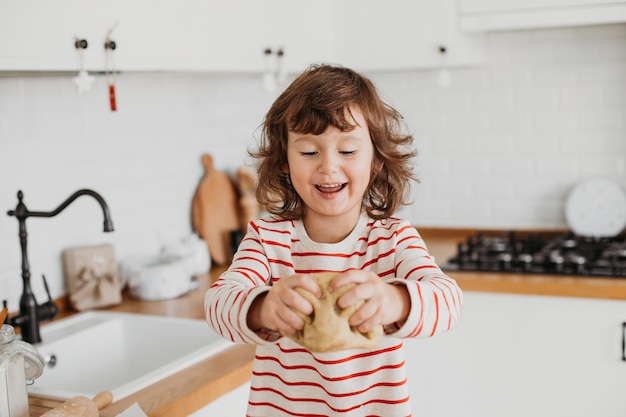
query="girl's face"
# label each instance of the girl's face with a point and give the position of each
(331, 172)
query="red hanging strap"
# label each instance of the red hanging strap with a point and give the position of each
(109, 48)
(112, 97)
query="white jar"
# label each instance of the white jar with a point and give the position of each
(19, 362)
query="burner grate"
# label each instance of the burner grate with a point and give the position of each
(562, 254)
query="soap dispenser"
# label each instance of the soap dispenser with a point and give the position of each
(20, 363)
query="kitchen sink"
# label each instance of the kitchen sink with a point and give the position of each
(120, 352)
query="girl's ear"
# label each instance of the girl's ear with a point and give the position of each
(286, 168)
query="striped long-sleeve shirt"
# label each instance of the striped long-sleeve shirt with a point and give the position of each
(287, 379)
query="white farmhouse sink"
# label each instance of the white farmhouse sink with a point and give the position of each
(119, 352)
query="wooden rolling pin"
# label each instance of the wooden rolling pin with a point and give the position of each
(82, 406)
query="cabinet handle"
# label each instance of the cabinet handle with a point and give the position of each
(81, 44)
(624, 341)
(110, 45)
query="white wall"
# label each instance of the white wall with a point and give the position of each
(499, 148)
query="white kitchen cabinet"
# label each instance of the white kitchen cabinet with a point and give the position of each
(523, 356)
(38, 35)
(494, 15)
(212, 35)
(300, 29)
(378, 35)
(163, 35)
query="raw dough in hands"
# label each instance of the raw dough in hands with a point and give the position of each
(327, 329)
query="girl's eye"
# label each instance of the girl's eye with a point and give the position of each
(347, 152)
(311, 153)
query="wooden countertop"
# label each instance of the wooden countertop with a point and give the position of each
(189, 390)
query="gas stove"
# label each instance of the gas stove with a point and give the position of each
(553, 254)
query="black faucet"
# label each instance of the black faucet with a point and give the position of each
(31, 314)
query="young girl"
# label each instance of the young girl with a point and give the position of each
(334, 167)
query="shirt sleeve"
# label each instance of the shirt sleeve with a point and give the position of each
(436, 299)
(228, 300)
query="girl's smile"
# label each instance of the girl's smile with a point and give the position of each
(330, 188)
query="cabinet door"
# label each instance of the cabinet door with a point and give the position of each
(521, 356)
(403, 34)
(153, 35)
(36, 34)
(162, 35)
(230, 35)
(302, 30)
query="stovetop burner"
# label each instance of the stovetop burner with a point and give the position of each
(563, 254)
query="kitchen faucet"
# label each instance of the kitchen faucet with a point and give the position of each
(31, 314)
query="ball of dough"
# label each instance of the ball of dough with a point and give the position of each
(327, 328)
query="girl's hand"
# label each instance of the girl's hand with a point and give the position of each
(383, 303)
(276, 310)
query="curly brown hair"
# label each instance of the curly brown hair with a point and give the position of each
(322, 96)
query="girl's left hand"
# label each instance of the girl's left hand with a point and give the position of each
(383, 303)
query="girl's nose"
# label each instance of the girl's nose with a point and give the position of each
(328, 164)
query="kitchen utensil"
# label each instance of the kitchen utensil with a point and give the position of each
(214, 211)
(3, 315)
(596, 208)
(82, 406)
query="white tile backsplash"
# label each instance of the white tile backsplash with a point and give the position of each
(498, 148)
(545, 112)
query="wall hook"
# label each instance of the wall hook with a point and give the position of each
(444, 78)
(273, 75)
(83, 80)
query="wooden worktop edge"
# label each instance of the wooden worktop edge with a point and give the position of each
(191, 389)
(558, 286)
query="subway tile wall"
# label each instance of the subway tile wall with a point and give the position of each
(500, 147)
(503, 145)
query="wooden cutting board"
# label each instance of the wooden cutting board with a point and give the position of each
(215, 211)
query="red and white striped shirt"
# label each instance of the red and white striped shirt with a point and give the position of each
(287, 379)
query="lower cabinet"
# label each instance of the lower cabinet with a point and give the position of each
(523, 356)
(513, 356)
(233, 404)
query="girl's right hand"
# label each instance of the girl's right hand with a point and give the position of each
(276, 309)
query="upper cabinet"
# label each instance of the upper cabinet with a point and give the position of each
(403, 34)
(494, 15)
(267, 35)
(164, 35)
(281, 36)
(38, 35)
